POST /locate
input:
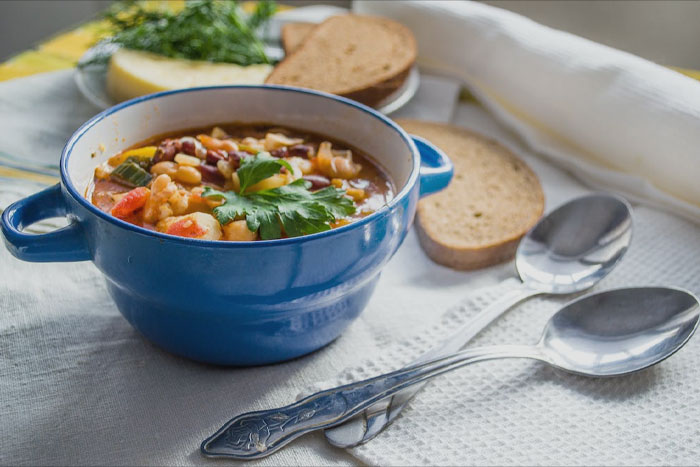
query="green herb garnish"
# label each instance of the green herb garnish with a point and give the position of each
(258, 168)
(215, 31)
(130, 173)
(294, 207)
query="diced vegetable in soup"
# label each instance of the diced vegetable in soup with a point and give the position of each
(240, 183)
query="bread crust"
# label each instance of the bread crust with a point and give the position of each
(466, 259)
(373, 95)
(475, 248)
(369, 95)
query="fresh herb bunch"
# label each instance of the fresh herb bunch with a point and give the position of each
(294, 207)
(215, 31)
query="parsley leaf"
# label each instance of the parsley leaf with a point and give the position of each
(258, 168)
(303, 212)
(293, 206)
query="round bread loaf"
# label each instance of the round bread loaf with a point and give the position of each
(492, 201)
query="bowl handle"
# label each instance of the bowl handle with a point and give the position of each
(65, 244)
(436, 168)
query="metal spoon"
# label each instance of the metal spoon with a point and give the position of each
(568, 251)
(605, 334)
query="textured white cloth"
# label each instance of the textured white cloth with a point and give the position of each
(614, 119)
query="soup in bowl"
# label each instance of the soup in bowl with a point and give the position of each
(282, 270)
(242, 183)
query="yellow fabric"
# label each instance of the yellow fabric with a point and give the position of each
(73, 44)
(692, 73)
(32, 62)
(9, 172)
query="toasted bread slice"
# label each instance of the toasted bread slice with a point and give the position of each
(364, 58)
(293, 34)
(492, 201)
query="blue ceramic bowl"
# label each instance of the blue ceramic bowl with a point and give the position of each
(231, 303)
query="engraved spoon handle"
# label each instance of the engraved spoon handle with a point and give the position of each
(368, 424)
(258, 434)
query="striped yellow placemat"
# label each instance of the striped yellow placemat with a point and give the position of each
(11, 172)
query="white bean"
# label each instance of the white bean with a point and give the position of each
(164, 167)
(183, 159)
(189, 175)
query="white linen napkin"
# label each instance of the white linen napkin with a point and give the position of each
(615, 120)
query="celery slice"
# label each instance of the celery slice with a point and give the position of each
(130, 173)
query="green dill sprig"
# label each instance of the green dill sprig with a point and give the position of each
(208, 30)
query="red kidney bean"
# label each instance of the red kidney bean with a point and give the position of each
(235, 157)
(317, 181)
(211, 174)
(189, 148)
(214, 156)
(167, 150)
(299, 150)
(279, 152)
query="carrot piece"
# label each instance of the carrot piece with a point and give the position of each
(216, 143)
(130, 202)
(186, 228)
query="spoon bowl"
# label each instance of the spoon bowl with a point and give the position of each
(575, 245)
(620, 331)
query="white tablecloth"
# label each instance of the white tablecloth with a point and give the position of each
(79, 386)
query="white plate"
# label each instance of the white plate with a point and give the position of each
(91, 82)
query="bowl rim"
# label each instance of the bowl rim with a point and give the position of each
(85, 127)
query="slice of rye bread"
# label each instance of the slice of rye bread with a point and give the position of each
(493, 200)
(364, 58)
(293, 34)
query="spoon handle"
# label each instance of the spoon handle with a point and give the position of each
(368, 424)
(258, 434)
